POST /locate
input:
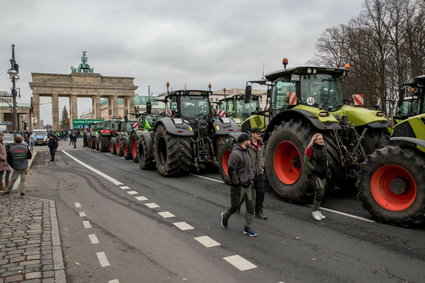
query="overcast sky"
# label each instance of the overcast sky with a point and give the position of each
(222, 42)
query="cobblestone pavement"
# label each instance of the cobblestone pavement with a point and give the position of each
(30, 246)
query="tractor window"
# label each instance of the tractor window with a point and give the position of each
(172, 106)
(321, 90)
(246, 109)
(194, 106)
(281, 92)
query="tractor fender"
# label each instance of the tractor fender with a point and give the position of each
(184, 129)
(377, 125)
(297, 114)
(224, 126)
(409, 141)
(149, 143)
(235, 136)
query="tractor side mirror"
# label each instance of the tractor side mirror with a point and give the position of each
(148, 107)
(248, 93)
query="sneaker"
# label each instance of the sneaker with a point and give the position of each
(224, 222)
(321, 215)
(316, 215)
(6, 193)
(22, 194)
(250, 232)
(261, 216)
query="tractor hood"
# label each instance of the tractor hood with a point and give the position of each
(359, 116)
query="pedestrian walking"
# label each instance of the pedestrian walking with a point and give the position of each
(316, 161)
(74, 139)
(256, 151)
(18, 156)
(53, 144)
(32, 141)
(4, 166)
(241, 176)
(85, 143)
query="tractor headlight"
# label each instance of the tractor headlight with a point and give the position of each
(237, 120)
(225, 120)
(380, 114)
(178, 121)
(323, 114)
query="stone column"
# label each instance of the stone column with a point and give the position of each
(74, 109)
(55, 111)
(130, 104)
(125, 108)
(96, 107)
(35, 121)
(113, 102)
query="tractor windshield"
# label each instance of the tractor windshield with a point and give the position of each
(411, 103)
(227, 106)
(246, 109)
(322, 90)
(194, 107)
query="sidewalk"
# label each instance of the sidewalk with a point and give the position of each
(30, 246)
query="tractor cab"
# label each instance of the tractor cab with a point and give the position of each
(411, 99)
(238, 108)
(188, 104)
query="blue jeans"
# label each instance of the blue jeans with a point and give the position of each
(6, 177)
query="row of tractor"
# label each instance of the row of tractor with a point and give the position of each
(301, 101)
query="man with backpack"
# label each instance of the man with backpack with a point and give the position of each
(53, 144)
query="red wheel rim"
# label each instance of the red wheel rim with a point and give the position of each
(134, 147)
(382, 185)
(287, 163)
(225, 161)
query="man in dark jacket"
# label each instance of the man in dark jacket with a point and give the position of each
(241, 176)
(53, 144)
(19, 155)
(256, 151)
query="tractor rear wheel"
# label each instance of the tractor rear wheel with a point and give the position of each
(134, 141)
(391, 186)
(103, 143)
(126, 150)
(173, 155)
(120, 146)
(223, 158)
(112, 143)
(145, 162)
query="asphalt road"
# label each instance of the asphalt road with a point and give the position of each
(134, 243)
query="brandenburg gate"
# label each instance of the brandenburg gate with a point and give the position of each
(82, 82)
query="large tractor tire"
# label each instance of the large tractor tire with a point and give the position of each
(391, 186)
(284, 158)
(112, 147)
(103, 144)
(120, 145)
(173, 155)
(125, 148)
(134, 142)
(145, 162)
(375, 138)
(223, 158)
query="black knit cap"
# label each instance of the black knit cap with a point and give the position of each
(255, 131)
(243, 137)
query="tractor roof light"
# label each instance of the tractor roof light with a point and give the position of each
(285, 62)
(309, 71)
(314, 71)
(323, 114)
(347, 66)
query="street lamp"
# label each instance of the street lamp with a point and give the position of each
(14, 76)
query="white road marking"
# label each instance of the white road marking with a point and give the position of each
(166, 214)
(326, 209)
(110, 179)
(114, 281)
(206, 178)
(83, 214)
(183, 226)
(141, 198)
(125, 187)
(239, 262)
(207, 241)
(93, 239)
(345, 214)
(103, 260)
(151, 205)
(132, 192)
(77, 205)
(87, 224)
(109, 154)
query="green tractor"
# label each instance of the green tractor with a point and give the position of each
(304, 101)
(240, 109)
(119, 143)
(187, 138)
(105, 131)
(93, 135)
(391, 182)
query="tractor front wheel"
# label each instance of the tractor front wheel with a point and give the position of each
(145, 162)
(391, 186)
(223, 158)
